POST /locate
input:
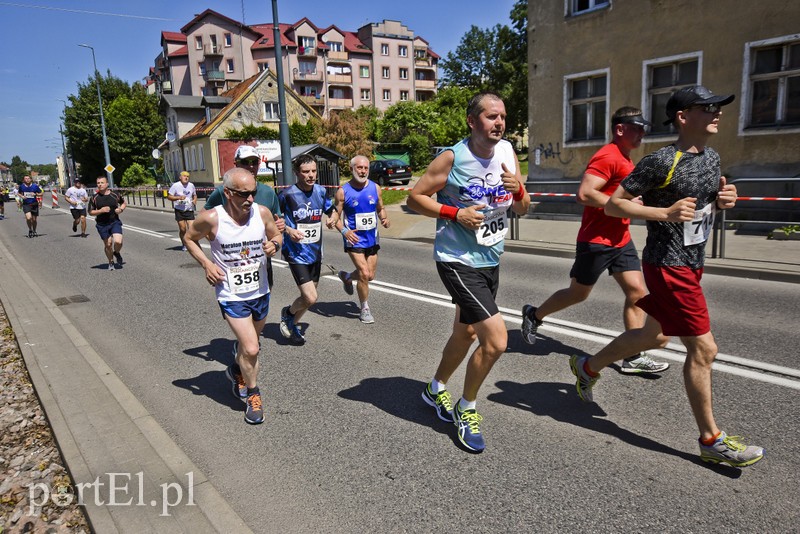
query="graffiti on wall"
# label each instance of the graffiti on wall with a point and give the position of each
(547, 152)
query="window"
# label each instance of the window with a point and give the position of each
(404, 95)
(186, 158)
(228, 40)
(402, 51)
(664, 76)
(420, 53)
(365, 95)
(271, 111)
(384, 49)
(387, 94)
(363, 71)
(201, 162)
(198, 43)
(385, 73)
(403, 73)
(306, 46)
(335, 46)
(201, 68)
(586, 106)
(193, 160)
(262, 66)
(577, 7)
(772, 94)
(229, 65)
(307, 67)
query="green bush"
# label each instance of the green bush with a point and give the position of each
(136, 175)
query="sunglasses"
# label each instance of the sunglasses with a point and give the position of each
(243, 194)
(709, 108)
(250, 162)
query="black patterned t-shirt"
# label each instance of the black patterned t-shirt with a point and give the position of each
(694, 175)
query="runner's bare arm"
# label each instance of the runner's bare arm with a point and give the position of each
(623, 204)
(514, 184)
(274, 241)
(726, 198)
(336, 216)
(205, 226)
(589, 191)
(382, 215)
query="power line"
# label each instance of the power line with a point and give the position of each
(85, 12)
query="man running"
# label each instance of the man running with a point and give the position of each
(77, 198)
(106, 206)
(360, 200)
(475, 183)
(303, 205)
(3, 199)
(184, 197)
(604, 243)
(681, 188)
(30, 193)
(242, 234)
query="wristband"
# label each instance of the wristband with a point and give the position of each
(521, 192)
(277, 245)
(448, 212)
(343, 231)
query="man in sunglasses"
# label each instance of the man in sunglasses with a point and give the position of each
(243, 235)
(246, 157)
(681, 187)
(604, 243)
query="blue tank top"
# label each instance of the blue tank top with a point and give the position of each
(360, 211)
(303, 211)
(473, 180)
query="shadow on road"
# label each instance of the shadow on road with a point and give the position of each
(214, 385)
(347, 309)
(217, 350)
(544, 346)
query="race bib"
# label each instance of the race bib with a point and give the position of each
(79, 205)
(698, 229)
(29, 194)
(311, 232)
(366, 221)
(494, 227)
(245, 278)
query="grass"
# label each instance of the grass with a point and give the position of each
(393, 197)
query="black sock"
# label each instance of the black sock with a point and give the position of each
(252, 391)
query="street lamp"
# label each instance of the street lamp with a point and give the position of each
(67, 155)
(109, 175)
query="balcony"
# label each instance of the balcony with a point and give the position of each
(338, 56)
(426, 84)
(422, 62)
(212, 50)
(340, 78)
(306, 51)
(306, 76)
(214, 76)
(166, 86)
(318, 100)
(340, 102)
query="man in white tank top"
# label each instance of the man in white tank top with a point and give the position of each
(243, 235)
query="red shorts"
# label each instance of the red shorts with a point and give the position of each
(676, 300)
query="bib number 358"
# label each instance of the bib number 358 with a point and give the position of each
(244, 278)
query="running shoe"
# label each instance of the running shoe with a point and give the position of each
(469, 430)
(183, 248)
(585, 382)
(254, 413)
(239, 388)
(530, 324)
(642, 364)
(347, 284)
(730, 450)
(74, 226)
(366, 316)
(35, 234)
(111, 266)
(442, 402)
(297, 336)
(118, 257)
(30, 233)
(287, 323)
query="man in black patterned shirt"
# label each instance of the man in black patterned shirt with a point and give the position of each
(681, 188)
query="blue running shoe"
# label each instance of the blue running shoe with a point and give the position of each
(287, 323)
(442, 402)
(254, 413)
(237, 381)
(297, 336)
(469, 431)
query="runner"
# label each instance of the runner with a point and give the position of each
(361, 201)
(604, 243)
(242, 234)
(3, 199)
(303, 205)
(184, 197)
(681, 188)
(475, 183)
(30, 193)
(77, 198)
(106, 206)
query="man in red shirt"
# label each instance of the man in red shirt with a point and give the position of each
(604, 243)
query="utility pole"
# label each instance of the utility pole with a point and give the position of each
(283, 127)
(108, 168)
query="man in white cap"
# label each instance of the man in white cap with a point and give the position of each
(184, 197)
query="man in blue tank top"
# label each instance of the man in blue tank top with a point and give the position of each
(303, 205)
(359, 207)
(475, 183)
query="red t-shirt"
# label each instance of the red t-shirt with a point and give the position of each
(612, 166)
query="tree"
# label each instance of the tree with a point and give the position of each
(136, 175)
(345, 131)
(495, 59)
(19, 168)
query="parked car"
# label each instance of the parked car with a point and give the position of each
(389, 172)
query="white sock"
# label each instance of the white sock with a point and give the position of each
(437, 387)
(464, 404)
(364, 305)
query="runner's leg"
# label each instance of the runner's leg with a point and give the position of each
(700, 354)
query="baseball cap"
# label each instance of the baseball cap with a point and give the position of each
(244, 152)
(184, 173)
(693, 96)
(638, 120)
(76, 181)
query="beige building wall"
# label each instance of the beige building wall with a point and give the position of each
(626, 40)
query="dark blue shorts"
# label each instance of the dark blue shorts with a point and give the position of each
(258, 308)
(105, 230)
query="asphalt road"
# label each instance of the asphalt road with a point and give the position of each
(349, 446)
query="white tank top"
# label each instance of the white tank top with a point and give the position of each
(239, 251)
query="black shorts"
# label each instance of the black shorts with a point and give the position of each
(305, 273)
(33, 209)
(591, 259)
(78, 213)
(473, 290)
(184, 215)
(367, 252)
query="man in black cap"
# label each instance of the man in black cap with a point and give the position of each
(604, 243)
(681, 187)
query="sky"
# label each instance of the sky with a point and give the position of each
(43, 64)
